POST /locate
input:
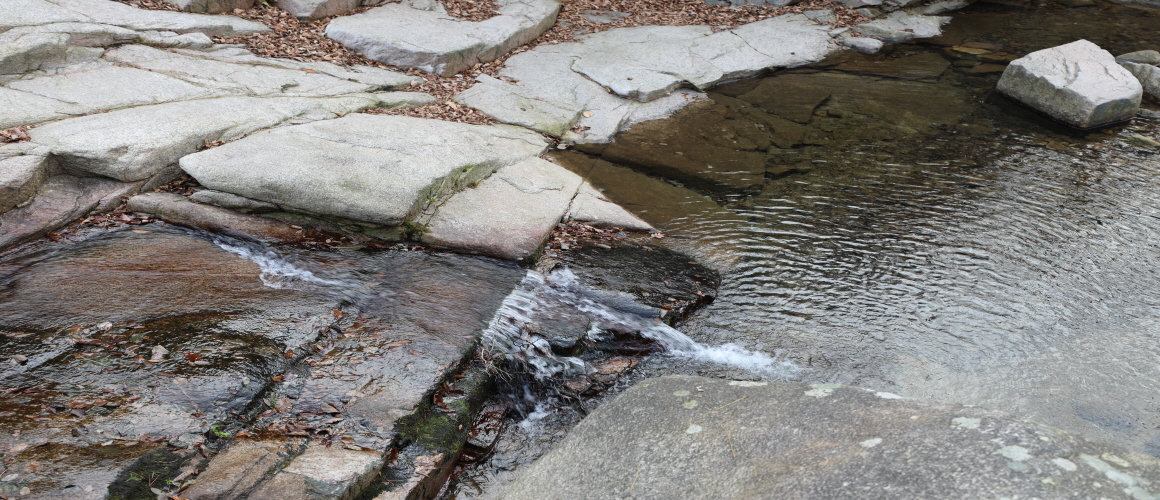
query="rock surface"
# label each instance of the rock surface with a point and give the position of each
(212, 6)
(401, 34)
(694, 437)
(41, 12)
(901, 26)
(591, 207)
(176, 209)
(59, 200)
(1078, 83)
(318, 9)
(371, 168)
(642, 67)
(20, 177)
(142, 142)
(510, 214)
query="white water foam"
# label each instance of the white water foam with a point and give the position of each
(277, 272)
(507, 331)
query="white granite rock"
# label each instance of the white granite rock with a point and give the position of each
(21, 108)
(372, 168)
(1077, 83)
(402, 35)
(112, 87)
(509, 215)
(143, 142)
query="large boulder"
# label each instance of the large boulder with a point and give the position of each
(694, 437)
(40, 12)
(371, 168)
(1078, 83)
(403, 34)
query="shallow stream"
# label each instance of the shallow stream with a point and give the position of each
(903, 228)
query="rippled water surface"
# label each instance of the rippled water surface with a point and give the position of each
(934, 239)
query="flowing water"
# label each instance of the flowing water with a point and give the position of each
(922, 235)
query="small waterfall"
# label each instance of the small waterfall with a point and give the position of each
(540, 294)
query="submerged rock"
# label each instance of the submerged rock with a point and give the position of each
(695, 437)
(1078, 83)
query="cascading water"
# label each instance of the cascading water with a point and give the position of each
(540, 294)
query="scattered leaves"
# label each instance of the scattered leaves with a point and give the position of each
(15, 134)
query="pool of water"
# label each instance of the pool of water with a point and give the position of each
(943, 243)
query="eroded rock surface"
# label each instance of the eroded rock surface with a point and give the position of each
(695, 437)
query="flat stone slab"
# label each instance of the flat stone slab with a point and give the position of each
(21, 173)
(143, 142)
(60, 200)
(372, 168)
(510, 214)
(212, 6)
(176, 209)
(429, 39)
(621, 77)
(318, 9)
(591, 207)
(39, 12)
(1078, 83)
(694, 437)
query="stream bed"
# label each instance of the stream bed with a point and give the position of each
(891, 222)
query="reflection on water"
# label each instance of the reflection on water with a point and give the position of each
(925, 236)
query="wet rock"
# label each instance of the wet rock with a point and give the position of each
(714, 144)
(59, 200)
(683, 214)
(592, 208)
(693, 437)
(1078, 83)
(232, 201)
(924, 65)
(321, 473)
(226, 337)
(901, 26)
(20, 178)
(404, 35)
(653, 276)
(234, 472)
(510, 214)
(372, 168)
(177, 209)
(142, 142)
